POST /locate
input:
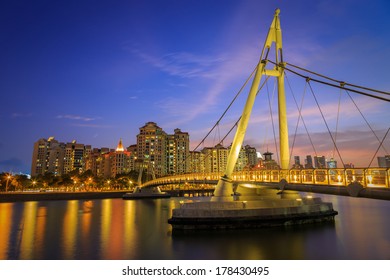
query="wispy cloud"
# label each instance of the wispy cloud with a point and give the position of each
(228, 75)
(91, 125)
(78, 118)
(182, 64)
(21, 115)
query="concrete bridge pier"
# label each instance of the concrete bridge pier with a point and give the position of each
(149, 192)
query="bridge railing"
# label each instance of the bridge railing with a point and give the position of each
(367, 177)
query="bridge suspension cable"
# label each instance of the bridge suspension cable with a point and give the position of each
(224, 113)
(340, 84)
(347, 87)
(226, 110)
(272, 120)
(368, 124)
(337, 81)
(299, 108)
(326, 124)
(381, 143)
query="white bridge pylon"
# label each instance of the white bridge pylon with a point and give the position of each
(224, 188)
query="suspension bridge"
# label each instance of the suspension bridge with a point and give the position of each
(345, 181)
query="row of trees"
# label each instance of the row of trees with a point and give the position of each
(73, 181)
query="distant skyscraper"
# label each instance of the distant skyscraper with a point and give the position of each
(349, 165)
(331, 163)
(297, 163)
(384, 161)
(309, 162)
(320, 162)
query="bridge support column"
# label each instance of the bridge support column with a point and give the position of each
(223, 190)
(283, 124)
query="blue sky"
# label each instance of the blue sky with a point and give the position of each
(96, 71)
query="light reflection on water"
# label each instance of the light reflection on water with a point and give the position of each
(114, 229)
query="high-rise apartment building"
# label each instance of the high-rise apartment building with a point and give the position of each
(163, 153)
(95, 161)
(156, 154)
(251, 155)
(49, 155)
(197, 162)
(119, 161)
(75, 154)
(151, 148)
(181, 141)
(215, 158)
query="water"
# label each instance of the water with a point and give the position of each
(116, 229)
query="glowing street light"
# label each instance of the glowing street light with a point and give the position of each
(6, 185)
(130, 184)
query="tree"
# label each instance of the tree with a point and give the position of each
(21, 182)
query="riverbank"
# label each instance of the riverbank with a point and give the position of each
(38, 196)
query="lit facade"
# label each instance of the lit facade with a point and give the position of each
(251, 155)
(48, 156)
(151, 148)
(181, 144)
(197, 160)
(215, 158)
(119, 161)
(156, 153)
(58, 158)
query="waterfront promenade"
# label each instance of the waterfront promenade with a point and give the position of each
(41, 196)
(38, 196)
(373, 193)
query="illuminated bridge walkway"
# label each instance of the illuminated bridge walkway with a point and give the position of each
(372, 182)
(369, 177)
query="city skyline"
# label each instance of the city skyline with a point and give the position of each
(95, 71)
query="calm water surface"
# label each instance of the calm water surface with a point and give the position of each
(116, 229)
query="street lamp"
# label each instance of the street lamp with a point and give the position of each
(130, 184)
(74, 184)
(6, 185)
